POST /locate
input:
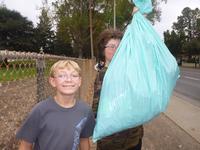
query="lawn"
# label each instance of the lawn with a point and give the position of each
(22, 69)
(12, 74)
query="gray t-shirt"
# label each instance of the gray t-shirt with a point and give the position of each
(52, 127)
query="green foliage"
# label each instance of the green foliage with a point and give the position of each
(73, 25)
(44, 33)
(72, 30)
(188, 23)
(186, 34)
(192, 47)
(174, 42)
(72, 19)
(16, 32)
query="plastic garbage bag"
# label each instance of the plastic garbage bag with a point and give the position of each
(139, 81)
(145, 6)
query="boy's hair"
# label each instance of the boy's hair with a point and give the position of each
(104, 37)
(61, 64)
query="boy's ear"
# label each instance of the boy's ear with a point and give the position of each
(52, 81)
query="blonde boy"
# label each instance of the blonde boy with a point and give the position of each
(60, 122)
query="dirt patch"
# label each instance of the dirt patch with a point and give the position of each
(17, 99)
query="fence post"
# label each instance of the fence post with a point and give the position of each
(40, 68)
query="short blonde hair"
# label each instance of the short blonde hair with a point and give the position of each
(62, 64)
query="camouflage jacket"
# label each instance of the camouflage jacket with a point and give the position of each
(119, 141)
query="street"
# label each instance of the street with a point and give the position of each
(188, 85)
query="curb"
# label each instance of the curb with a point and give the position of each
(185, 115)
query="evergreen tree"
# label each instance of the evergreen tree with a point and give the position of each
(16, 31)
(44, 33)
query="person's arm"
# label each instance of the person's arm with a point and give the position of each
(25, 145)
(97, 88)
(84, 144)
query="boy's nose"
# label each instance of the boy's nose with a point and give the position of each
(68, 78)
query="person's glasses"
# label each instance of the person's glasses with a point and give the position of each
(66, 76)
(113, 46)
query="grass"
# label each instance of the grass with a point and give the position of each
(16, 74)
(21, 70)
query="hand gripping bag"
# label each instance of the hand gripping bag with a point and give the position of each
(139, 81)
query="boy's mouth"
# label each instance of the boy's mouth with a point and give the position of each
(68, 85)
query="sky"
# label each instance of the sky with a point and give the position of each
(170, 11)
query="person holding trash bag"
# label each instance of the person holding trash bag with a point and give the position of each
(139, 81)
(130, 139)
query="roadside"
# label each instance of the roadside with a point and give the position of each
(190, 65)
(186, 115)
(177, 128)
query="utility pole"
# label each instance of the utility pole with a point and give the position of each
(91, 30)
(114, 19)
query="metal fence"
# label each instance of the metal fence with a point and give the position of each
(24, 82)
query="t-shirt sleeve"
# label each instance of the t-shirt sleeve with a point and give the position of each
(30, 128)
(89, 126)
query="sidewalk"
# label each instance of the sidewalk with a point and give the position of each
(190, 65)
(177, 128)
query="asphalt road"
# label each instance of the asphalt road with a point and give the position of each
(189, 84)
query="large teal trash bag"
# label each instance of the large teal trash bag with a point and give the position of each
(145, 6)
(139, 81)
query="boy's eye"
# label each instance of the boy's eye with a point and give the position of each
(75, 75)
(64, 76)
(61, 76)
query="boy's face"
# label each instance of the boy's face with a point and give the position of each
(66, 81)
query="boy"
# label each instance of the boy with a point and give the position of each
(60, 122)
